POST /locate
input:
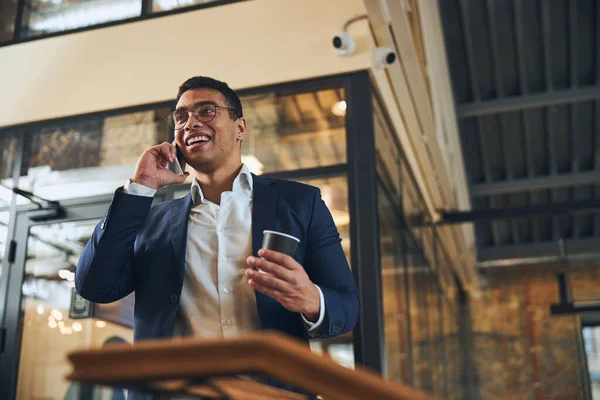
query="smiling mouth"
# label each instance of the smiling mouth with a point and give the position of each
(197, 140)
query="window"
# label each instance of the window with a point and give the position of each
(591, 340)
(8, 15)
(91, 157)
(294, 131)
(166, 5)
(42, 17)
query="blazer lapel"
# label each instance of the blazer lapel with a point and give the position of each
(178, 218)
(264, 202)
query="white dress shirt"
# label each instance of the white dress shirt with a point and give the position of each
(216, 300)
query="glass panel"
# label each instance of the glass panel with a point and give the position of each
(8, 154)
(591, 340)
(4, 216)
(418, 272)
(395, 307)
(435, 335)
(454, 357)
(334, 192)
(518, 349)
(166, 5)
(294, 131)
(43, 17)
(48, 333)
(91, 157)
(387, 153)
(8, 17)
(412, 202)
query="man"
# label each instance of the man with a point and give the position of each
(193, 262)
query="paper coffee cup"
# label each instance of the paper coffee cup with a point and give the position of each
(280, 242)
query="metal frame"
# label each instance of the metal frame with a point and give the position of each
(145, 14)
(364, 230)
(89, 208)
(9, 259)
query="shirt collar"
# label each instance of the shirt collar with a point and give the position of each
(242, 182)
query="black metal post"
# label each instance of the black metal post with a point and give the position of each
(19, 20)
(364, 232)
(8, 261)
(146, 8)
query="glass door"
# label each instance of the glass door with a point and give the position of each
(44, 318)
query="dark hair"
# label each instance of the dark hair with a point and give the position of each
(204, 82)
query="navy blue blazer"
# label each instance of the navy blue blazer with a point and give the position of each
(140, 247)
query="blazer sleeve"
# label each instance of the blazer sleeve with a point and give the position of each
(328, 268)
(104, 271)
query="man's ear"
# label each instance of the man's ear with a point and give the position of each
(241, 128)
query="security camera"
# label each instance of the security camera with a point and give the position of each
(343, 44)
(383, 57)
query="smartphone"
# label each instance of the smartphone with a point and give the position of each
(179, 161)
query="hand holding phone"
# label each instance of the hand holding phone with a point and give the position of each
(152, 167)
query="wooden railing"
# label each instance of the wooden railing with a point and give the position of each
(216, 369)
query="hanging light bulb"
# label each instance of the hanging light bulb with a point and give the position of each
(339, 108)
(40, 309)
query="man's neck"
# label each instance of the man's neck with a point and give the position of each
(214, 183)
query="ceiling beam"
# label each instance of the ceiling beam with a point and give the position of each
(535, 183)
(569, 207)
(521, 103)
(543, 252)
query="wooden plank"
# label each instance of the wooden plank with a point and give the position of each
(268, 353)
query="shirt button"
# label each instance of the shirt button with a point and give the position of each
(222, 230)
(174, 299)
(223, 259)
(225, 290)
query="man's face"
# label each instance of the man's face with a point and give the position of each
(223, 134)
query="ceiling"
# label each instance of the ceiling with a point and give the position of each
(526, 84)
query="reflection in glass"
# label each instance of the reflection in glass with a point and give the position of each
(48, 16)
(387, 152)
(591, 341)
(8, 154)
(48, 333)
(4, 215)
(396, 316)
(454, 357)
(334, 192)
(8, 16)
(294, 131)
(166, 5)
(91, 157)
(418, 271)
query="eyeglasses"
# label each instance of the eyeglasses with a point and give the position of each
(203, 113)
